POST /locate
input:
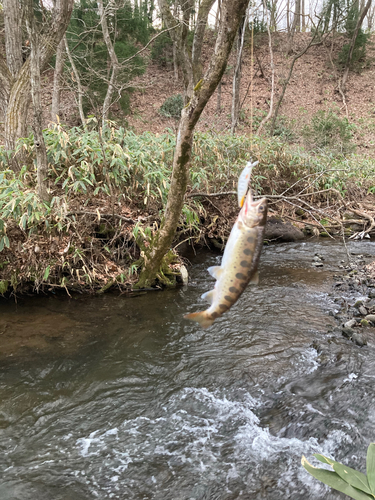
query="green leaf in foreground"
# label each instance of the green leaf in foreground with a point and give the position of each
(323, 459)
(333, 480)
(370, 466)
(349, 475)
(353, 477)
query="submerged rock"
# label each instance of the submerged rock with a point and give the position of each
(277, 229)
(348, 332)
(317, 264)
(362, 310)
(359, 339)
(349, 324)
(184, 274)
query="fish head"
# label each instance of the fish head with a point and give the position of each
(254, 213)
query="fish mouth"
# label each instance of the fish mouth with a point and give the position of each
(257, 203)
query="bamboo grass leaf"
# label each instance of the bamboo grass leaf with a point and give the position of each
(353, 477)
(333, 480)
(323, 459)
(370, 466)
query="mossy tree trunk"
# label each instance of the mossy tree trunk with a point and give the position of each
(232, 11)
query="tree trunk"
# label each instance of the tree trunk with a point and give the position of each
(186, 61)
(352, 43)
(237, 74)
(297, 16)
(40, 146)
(200, 28)
(15, 98)
(17, 106)
(174, 45)
(13, 35)
(175, 63)
(78, 80)
(115, 67)
(296, 25)
(59, 67)
(232, 13)
(269, 114)
(5, 86)
(218, 14)
(273, 16)
(189, 64)
(218, 101)
(303, 15)
(370, 19)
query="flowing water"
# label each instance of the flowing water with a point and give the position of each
(120, 397)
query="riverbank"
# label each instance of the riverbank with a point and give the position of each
(354, 295)
(108, 191)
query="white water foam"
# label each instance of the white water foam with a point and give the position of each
(202, 434)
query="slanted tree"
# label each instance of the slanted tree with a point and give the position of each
(232, 12)
(15, 73)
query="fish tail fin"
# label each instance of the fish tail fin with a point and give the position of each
(200, 317)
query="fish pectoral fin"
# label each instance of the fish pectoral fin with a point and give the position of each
(215, 271)
(208, 296)
(255, 279)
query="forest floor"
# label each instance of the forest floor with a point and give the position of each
(313, 87)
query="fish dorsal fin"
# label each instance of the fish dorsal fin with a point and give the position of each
(215, 271)
(255, 279)
(209, 296)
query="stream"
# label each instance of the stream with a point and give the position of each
(118, 397)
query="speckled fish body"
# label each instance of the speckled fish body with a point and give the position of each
(239, 265)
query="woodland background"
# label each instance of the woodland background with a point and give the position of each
(97, 189)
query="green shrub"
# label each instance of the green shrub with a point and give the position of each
(283, 129)
(359, 51)
(329, 131)
(172, 107)
(122, 165)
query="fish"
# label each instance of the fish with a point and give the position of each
(239, 265)
(243, 182)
